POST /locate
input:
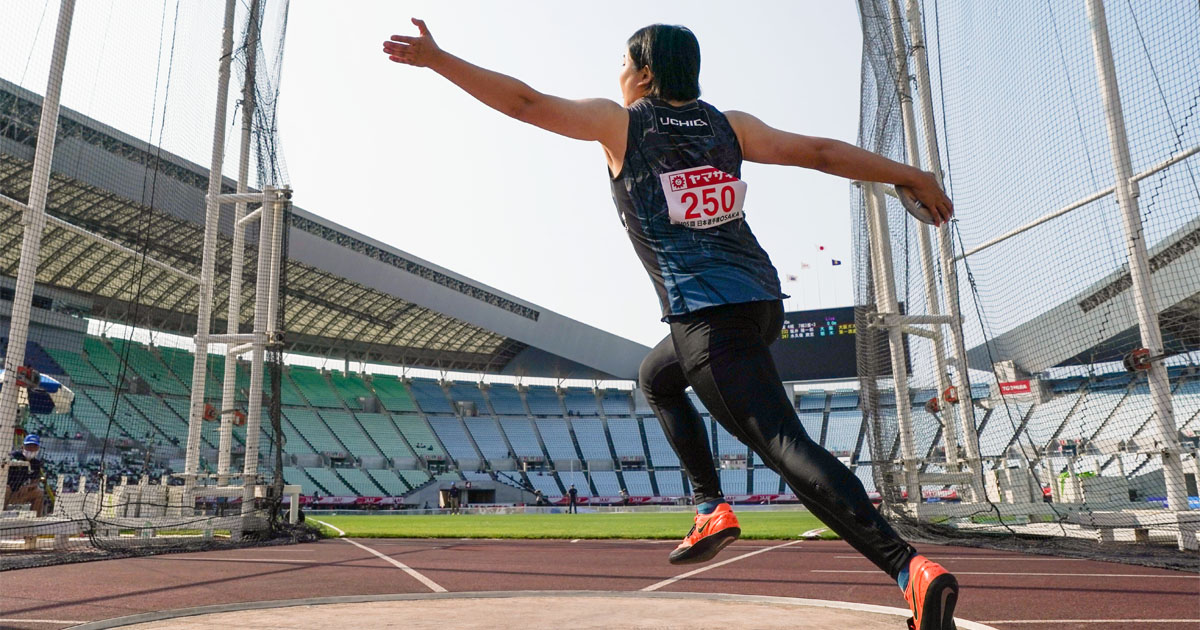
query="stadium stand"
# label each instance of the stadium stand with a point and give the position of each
(521, 435)
(812, 424)
(392, 394)
(179, 362)
(414, 478)
(844, 400)
(430, 397)
(149, 368)
(580, 402)
(765, 481)
(127, 417)
(661, 453)
(294, 441)
(579, 479)
(470, 393)
(208, 430)
(506, 400)
(544, 401)
(294, 475)
(843, 430)
(384, 433)
(450, 430)
(669, 482)
(547, 484)
(350, 388)
(358, 481)
(1001, 425)
(329, 481)
(811, 401)
(488, 438)
(313, 386)
(592, 440)
(866, 475)
(637, 483)
(557, 439)
(734, 481)
(76, 368)
(640, 406)
(616, 402)
(726, 444)
(350, 432)
(626, 437)
(393, 485)
(102, 358)
(606, 483)
(94, 419)
(314, 430)
(696, 402)
(161, 416)
(419, 435)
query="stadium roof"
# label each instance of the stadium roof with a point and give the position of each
(1106, 308)
(346, 295)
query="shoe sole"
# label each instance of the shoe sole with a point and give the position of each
(940, 599)
(708, 547)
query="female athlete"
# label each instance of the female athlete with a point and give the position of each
(675, 169)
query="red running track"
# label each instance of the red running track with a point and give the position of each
(1003, 589)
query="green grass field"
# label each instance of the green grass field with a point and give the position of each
(655, 525)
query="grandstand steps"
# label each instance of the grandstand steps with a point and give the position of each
(421, 414)
(612, 448)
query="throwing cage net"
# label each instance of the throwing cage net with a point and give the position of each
(140, 294)
(1037, 384)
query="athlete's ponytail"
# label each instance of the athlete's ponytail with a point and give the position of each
(673, 55)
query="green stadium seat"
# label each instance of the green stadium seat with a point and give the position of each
(392, 393)
(418, 434)
(350, 388)
(381, 429)
(149, 368)
(350, 432)
(310, 425)
(313, 387)
(390, 481)
(80, 371)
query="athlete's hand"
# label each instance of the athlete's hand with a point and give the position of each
(926, 189)
(417, 51)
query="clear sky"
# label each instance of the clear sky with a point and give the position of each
(401, 155)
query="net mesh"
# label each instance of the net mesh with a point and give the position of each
(1071, 443)
(107, 372)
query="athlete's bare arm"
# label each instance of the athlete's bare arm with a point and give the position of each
(594, 119)
(765, 144)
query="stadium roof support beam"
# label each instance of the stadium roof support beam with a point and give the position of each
(34, 219)
(1139, 262)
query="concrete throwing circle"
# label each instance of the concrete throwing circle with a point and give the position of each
(528, 610)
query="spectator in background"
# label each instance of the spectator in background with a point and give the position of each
(454, 494)
(25, 482)
(539, 499)
(624, 497)
(572, 496)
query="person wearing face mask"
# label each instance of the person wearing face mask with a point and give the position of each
(24, 482)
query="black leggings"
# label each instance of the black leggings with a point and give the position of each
(722, 353)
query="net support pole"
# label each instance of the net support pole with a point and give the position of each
(234, 314)
(966, 407)
(212, 215)
(924, 244)
(884, 279)
(262, 301)
(1139, 263)
(34, 220)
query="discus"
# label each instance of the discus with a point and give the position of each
(914, 206)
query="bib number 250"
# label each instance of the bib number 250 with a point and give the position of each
(703, 197)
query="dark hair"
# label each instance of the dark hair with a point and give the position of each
(673, 55)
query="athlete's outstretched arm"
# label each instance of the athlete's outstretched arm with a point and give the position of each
(595, 119)
(763, 143)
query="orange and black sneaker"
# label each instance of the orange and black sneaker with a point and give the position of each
(709, 535)
(931, 593)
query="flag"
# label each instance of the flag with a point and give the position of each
(836, 262)
(805, 265)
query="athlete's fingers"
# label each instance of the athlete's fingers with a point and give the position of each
(405, 39)
(420, 24)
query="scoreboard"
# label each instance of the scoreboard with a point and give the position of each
(819, 345)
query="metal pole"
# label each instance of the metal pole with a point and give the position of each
(233, 317)
(34, 220)
(211, 216)
(966, 407)
(262, 299)
(1139, 265)
(884, 277)
(924, 246)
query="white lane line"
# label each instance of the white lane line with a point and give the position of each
(576, 540)
(340, 532)
(1095, 575)
(670, 581)
(1061, 621)
(988, 558)
(433, 586)
(62, 621)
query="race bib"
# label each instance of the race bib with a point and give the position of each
(703, 197)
